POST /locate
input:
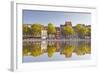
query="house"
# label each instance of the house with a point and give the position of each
(44, 45)
(68, 23)
(58, 32)
(57, 43)
(44, 33)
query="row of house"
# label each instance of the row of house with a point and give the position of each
(59, 33)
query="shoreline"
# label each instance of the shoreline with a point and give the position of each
(25, 40)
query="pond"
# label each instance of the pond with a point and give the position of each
(47, 50)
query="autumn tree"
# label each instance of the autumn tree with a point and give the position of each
(68, 50)
(36, 29)
(26, 49)
(51, 50)
(82, 30)
(26, 29)
(83, 49)
(89, 31)
(51, 29)
(68, 30)
(36, 50)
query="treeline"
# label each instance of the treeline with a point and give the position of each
(35, 50)
(79, 30)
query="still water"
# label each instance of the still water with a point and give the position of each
(41, 51)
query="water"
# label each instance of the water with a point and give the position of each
(46, 50)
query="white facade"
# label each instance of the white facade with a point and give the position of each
(44, 45)
(44, 34)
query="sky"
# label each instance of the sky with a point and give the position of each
(56, 18)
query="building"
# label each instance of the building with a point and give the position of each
(57, 43)
(44, 45)
(29, 25)
(68, 23)
(58, 32)
(44, 34)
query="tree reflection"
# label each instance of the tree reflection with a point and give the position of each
(36, 50)
(83, 49)
(26, 49)
(51, 50)
(67, 50)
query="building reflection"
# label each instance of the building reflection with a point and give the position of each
(66, 48)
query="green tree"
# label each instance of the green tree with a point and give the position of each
(26, 29)
(79, 26)
(82, 30)
(68, 30)
(36, 29)
(89, 31)
(51, 30)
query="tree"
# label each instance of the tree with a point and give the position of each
(26, 29)
(81, 30)
(36, 29)
(51, 29)
(79, 26)
(68, 30)
(89, 31)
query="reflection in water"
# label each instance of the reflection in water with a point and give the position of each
(63, 48)
(83, 49)
(67, 50)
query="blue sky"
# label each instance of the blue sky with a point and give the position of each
(57, 18)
